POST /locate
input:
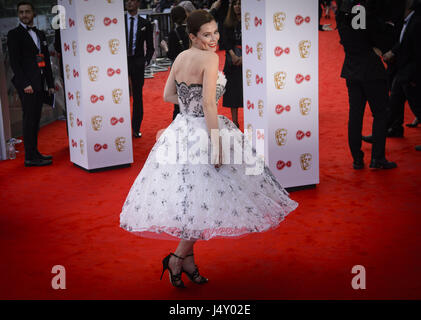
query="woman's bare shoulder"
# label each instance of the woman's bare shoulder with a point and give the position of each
(179, 58)
(209, 57)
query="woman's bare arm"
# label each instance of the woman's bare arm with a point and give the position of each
(210, 76)
(210, 108)
(170, 91)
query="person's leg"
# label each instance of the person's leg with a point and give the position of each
(414, 99)
(357, 101)
(29, 121)
(37, 116)
(137, 80)
(234, 115)
(176, 111)
(396, 108)
(191, 269)
(184, 248)
(378, 99)
(413, 95)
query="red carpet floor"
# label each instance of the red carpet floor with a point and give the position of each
(62, 215)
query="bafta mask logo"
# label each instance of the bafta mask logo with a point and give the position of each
(280, 80)
(74, 47)
(305, 161)
(279, 20)
(82, 147)
(260, 108)
(78, 98)
(250, 128)
(114, 45)
(117, 95)
(282, 164)
(305, 106)
(96, 123)
(72, 119)
(93, 73)
(67, 71)
(89, 21)
(248, 77)
(281, 137)
(247, 20)
(259, 49)
(120, 144)
(304, 48)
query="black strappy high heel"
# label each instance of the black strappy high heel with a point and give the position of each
(195, 274)
(173, 277)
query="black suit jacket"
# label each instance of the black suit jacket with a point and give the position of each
(408, 52)
(174, 45)
(23, 60)
(144, 34)
(361, 63)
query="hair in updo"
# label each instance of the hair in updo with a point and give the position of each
(197, 19)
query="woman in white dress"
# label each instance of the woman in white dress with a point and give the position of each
(200, 196)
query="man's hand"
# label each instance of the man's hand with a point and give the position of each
(28, 90)
(236, 60)
(378, 52)
(51, 90)
(388, 56)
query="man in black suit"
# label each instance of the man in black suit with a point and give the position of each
(138, 31)
(366, 79)
(30, 62)
(407, 54)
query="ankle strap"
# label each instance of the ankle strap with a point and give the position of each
(189, 255)
(174, 255)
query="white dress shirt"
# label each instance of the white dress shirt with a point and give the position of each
(407, 19)
(33, 36)
(134, 31)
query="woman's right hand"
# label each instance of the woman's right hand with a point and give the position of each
(218, 164)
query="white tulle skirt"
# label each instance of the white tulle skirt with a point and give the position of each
(180, 199)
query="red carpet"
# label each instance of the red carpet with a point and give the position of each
(62, 215)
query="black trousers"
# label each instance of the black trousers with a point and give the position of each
(176, 111)
(376, 94)
(402, 91)
(137, 79)
(32, 108)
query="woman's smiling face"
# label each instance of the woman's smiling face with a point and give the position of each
(207, 38)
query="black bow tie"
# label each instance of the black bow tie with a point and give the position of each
(31, 28)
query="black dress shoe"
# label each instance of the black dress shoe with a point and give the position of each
(394, 133)
(44, 157)
(382, 164)
(414, 123)
(358, 164)
(418, 148)
(137, 134)
(368, 139)
(37, 163)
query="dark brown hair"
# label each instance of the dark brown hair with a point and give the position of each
(25, 3)
(178, 15)
(231, 21)
(197, 19)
